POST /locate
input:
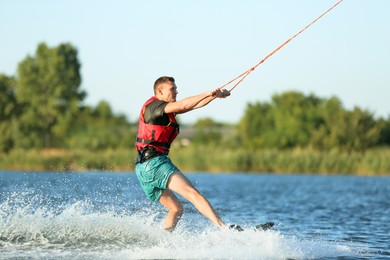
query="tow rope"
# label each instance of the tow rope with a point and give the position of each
(243, 75)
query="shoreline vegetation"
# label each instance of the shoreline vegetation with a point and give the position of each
(374, 162)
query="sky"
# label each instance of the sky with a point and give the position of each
(124, 46)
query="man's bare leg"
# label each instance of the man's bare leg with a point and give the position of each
(179, 183)
(175, 209)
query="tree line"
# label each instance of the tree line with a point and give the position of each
(293, 119)
(42, 107)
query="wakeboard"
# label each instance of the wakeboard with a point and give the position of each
(261, 227)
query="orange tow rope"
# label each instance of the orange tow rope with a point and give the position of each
(243, 75)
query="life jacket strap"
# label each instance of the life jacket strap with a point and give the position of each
(144, 141)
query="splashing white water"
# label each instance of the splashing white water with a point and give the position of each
(79, 231)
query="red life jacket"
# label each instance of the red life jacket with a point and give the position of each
(158, 136)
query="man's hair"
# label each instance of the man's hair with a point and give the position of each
(162, 80)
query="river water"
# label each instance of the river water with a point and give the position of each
(100, 215)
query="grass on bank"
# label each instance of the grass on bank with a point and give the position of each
(68, 160)
(373, 162)
(190, 159)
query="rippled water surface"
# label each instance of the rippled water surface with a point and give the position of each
(95, 215)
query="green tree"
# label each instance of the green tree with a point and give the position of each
(49, 90)
(332, 131)
(296, 117)
(354, 130)
(207, 132)
(385, 131)
(8, 111)
(288, 121)
(256, 127)
(364, 130)
(99, 128)
(103, 110)
(293, 119)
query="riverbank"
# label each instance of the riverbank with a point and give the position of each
(190, 159)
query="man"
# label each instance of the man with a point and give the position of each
(157, 129)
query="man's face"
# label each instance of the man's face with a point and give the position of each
(168, 92)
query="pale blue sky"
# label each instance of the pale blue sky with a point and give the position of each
(125, 45)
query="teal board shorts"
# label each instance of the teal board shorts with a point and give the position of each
(153, 175)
